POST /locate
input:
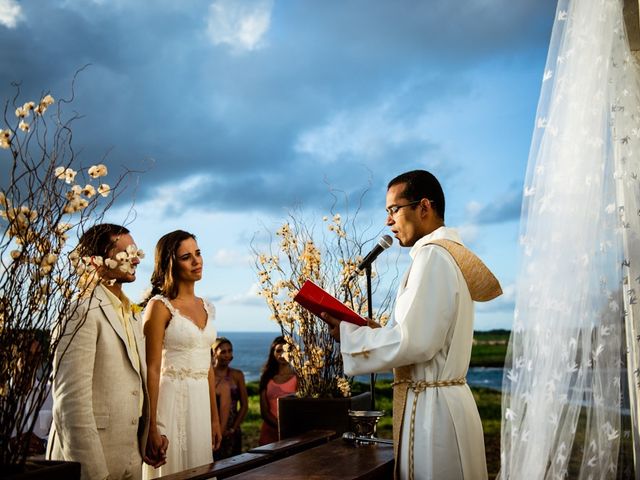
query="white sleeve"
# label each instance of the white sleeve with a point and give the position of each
(424, 312)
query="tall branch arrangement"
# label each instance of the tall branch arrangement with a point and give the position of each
(44, 197)
(294, 256)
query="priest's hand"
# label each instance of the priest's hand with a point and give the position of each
(334, 325)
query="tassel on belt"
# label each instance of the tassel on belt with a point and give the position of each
(417, 387)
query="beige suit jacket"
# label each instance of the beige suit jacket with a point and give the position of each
(96, 393)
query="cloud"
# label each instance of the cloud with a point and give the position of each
(232, 258)
(469, 232)
(504, 208)
(504, 303)
(369, 134)
(342, 91)
(248, 298)
(10, 13)
(240, 25)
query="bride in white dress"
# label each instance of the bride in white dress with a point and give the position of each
(179, 331)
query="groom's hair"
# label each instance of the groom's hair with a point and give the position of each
(99, 239)
(419, 184)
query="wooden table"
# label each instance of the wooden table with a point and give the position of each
(256, 457)
(332, 460)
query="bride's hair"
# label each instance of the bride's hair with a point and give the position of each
(164, 269)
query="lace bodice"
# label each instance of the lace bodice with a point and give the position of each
(186, 348)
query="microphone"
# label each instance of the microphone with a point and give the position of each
(384, 242)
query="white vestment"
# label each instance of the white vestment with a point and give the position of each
(432, 332)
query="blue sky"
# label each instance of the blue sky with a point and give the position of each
(239, 111)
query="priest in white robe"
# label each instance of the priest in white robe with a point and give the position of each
(437, 428)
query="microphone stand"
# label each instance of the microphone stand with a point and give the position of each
(372, 380)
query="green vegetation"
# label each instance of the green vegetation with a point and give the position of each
(489, 348)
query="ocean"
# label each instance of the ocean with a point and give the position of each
(250, 350)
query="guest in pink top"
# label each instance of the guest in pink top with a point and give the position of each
(277, 380)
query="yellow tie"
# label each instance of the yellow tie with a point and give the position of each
(123, 310)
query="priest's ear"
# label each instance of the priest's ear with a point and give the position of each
(426, 206)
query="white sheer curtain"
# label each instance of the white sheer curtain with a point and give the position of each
(580, 258)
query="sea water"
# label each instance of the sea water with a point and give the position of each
(250, 351)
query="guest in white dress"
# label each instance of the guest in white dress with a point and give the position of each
(179, 332)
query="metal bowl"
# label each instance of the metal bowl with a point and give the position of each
(364, 422)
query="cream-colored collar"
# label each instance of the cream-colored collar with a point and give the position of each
(117, 302)
(441, 233)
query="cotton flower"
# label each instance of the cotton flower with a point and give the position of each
(75, 204)
(24, 110)
(104, 189)
(111, 263)
(97, 171)
(88, 191)
(45, 103)
(66, 174)
(24, 126)
(133, 252)
(344, 386)
(47, 100)
(69, 175)
(62, 227)
(5, 138)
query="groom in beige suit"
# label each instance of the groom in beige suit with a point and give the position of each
(100, 402)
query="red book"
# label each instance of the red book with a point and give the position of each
(316, 300)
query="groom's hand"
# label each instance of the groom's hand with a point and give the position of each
(156, 451)
(334, 325)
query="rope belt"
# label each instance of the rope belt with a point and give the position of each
(417, 387)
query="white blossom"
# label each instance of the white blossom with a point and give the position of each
(88, 191)
(111, 263)
(97, 171)
(104, 189)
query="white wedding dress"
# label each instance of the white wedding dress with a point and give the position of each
(184, 412)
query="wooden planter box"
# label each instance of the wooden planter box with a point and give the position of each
(299, 415)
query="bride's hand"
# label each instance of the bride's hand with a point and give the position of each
(216, 435)
(156, 449)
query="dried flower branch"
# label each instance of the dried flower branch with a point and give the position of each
(296, 256)
(44, 196)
